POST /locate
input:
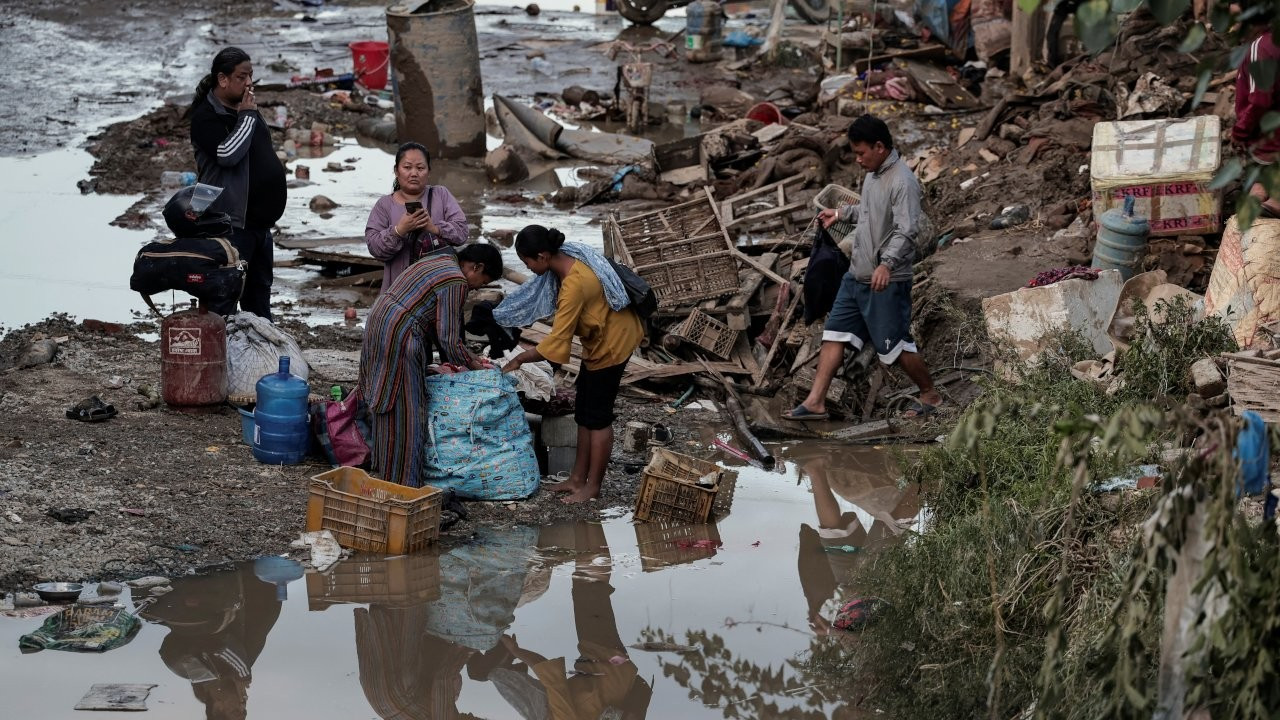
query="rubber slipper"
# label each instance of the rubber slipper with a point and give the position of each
(800, 413)
(91, 409)
(920, 409)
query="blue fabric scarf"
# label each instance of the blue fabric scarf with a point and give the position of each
(536, 299)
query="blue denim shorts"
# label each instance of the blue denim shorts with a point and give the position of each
(861, 316)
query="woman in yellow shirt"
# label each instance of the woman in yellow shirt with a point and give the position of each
(608, 338)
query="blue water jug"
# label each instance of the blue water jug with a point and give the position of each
(281, 432)
(1122, 240)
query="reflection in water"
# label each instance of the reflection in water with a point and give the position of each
(412, 657)
(218, 625)
(604, 681)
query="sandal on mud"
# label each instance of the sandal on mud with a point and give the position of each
(91, 409)
(800, 413)
(919, 410)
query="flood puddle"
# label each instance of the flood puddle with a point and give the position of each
(532, 622)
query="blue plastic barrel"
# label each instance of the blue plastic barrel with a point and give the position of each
(1122, 240)
(281, 433)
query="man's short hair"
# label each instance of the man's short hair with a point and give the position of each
(870, 129)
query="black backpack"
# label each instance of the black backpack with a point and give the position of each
(206, 268)
(643, 301)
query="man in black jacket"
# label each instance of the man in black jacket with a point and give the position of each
(234, 152)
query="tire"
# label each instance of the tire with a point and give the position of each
(814, 12)
(642, 12)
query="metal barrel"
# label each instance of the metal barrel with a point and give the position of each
(435, 76)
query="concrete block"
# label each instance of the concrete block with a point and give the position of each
(559, 432)
(560, 459)
(1207, 378)
(1028, 318)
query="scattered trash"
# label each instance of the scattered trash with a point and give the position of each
(70, 516)
(13, 517)
(1135, 478)
(91, 409)
(116, 697)
(325, 550)
(1012, 216)
(858, 613)
(81, 628)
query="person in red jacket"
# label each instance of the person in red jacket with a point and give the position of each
(1253, 101)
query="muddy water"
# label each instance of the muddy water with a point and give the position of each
(520, 619)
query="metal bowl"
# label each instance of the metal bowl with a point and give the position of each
(59, 591)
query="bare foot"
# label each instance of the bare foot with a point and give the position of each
(583, 494)
(567, 486)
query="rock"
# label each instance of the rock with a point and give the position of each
(1207, 378)
(532, 10)
(109, 588)
(149, 581)
(115, 382)
(161, 590)
(503, 238)
(40, 352)
(27, 599)
(503, 165)
(10, 540)
(321, 204)
(576, 95)
(1011, 132)
(13, 517)
(86, 449)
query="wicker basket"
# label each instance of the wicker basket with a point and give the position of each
(707, 333)
(662, 544)
(373, 515)
(670, 488)
(400, 581)
(833, 197)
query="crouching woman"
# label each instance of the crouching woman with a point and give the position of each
(591, 304)
(421, 308)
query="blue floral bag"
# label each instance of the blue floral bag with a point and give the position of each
(479, 444)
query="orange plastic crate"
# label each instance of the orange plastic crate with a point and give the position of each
(365, 513)
(669, 490)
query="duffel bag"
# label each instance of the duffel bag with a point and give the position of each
(479, 442)
(206, 268)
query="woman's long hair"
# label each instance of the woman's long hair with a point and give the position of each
(224, 63)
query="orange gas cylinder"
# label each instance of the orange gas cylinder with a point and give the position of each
(193, 352)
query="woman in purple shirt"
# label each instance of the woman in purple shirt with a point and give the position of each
(398, 238)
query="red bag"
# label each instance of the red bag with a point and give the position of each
(343, 430)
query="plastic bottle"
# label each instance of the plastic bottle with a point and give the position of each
(336, 393)
(542, 67)
(176, 179)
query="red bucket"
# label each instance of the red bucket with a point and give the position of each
(767, 113)
(370, 60)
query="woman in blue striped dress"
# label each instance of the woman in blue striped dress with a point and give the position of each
(423, 304)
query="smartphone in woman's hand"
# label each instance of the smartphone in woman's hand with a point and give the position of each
(412, 207)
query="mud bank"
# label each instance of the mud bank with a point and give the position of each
(170, 491)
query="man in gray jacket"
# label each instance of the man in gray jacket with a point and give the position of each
(873, 304)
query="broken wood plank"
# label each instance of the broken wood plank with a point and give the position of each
(324, 257)
(737, 316)
(939, 86)
(863, 432)
(778, 340)
(728, 241)
(991, 118)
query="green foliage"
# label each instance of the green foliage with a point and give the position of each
(1167, 341)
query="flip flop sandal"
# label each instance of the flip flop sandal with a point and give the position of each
(91, 409)
(921, 410)
(800, 413)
